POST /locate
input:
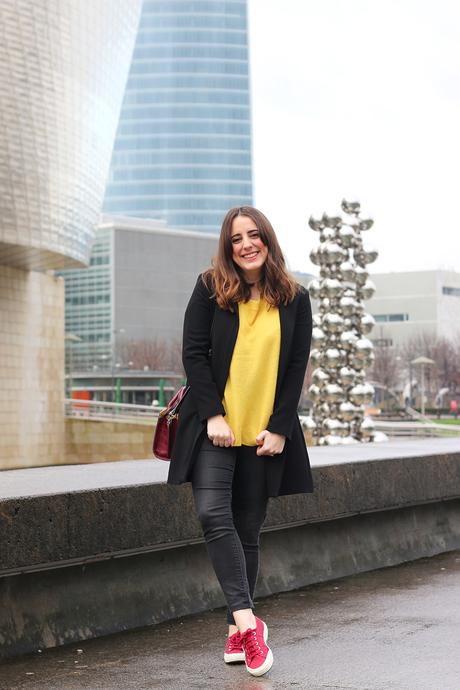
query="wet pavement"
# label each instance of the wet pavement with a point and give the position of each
(392, 629)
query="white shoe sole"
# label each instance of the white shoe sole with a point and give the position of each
(266, 666)
(233, 658)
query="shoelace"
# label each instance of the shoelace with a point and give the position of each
(251, 644)
(234, 641)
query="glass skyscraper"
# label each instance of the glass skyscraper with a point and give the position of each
(183, 148)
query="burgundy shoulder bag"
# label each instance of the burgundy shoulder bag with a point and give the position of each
(165, 430)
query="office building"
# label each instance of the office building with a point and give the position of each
(136, 289)
(182, 153)
(409, 303)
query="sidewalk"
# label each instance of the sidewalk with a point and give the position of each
(391, 629)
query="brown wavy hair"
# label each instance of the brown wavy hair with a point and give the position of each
(226, 279)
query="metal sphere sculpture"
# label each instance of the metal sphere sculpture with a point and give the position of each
(340, 350)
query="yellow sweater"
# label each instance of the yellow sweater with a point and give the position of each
(250, 389)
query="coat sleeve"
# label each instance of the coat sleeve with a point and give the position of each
(285, 411)
(195, 350)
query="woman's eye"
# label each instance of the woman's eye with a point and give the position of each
(251, 235)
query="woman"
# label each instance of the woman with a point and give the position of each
(246, 342)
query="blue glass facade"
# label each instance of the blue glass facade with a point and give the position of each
(183, 146)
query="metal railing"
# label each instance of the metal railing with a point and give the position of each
(420, 429)
(109, 411)
(148, 414)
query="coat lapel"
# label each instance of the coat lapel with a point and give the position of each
(224, 336)
(286, 326)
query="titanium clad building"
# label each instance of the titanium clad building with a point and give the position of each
(63, 71)
(183, 148)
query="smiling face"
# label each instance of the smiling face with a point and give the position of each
(249, 251)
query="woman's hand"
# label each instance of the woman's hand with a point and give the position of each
(219, 432)
(270, 443)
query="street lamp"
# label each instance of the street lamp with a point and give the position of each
(423, 361)
(114, 334)
(103, 359)
(72, 338)
(410, 383)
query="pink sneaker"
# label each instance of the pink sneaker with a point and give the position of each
(259, 657)
(234, 649)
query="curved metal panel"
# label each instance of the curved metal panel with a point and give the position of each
(63, 70)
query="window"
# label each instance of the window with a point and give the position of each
(178, 141)
(454, 291)
(379, 318)
(187, 81)
(224, 158)
(190, 66)
(196, 6)
(172, 126)
(179, 21)
(170, 173)
(204, 111)
(383, 342)
(161, 190)
(188, 95)
(217, 202)
(208, 51)
(192, 35)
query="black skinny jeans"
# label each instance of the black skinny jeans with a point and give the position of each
(229, 488)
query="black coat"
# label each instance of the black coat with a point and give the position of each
(206, 357)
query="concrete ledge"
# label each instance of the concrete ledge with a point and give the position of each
(51, 528)
(67, 605)
(117, 553)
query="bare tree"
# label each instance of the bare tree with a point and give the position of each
(420, 344)
(386, 367)
(304, 397)
(156, 354)
(175, 356)
(447, 358)
(445, 373)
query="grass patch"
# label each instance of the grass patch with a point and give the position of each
(445, 421)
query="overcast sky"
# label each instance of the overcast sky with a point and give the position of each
(359, 98)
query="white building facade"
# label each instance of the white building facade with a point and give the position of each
(406, 304)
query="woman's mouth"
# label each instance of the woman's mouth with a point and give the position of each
(250, 256)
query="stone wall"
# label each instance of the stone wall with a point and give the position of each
(31, 368)
(102, 441)
(92, 550)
